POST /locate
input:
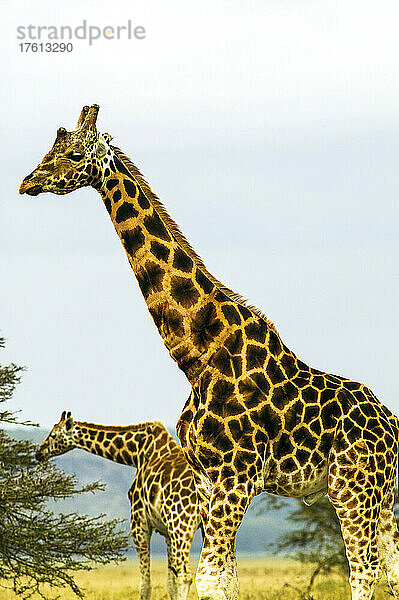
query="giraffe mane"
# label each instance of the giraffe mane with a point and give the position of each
(182, 240)
(121, 428)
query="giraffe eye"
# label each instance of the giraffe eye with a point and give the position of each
(76, 156)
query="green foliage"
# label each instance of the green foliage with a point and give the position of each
(314, 537)
(37, 546)
(10, 376)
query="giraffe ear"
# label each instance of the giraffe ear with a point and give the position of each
(68, 422)
(101, 149)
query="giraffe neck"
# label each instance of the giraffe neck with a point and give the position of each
(182, 297)
(125, 445)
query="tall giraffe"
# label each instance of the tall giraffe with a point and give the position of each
(258, 418)
(162, 496)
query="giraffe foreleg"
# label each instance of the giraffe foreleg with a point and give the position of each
(141, 534)
(216, 577)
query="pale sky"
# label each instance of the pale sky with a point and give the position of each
(268, 128)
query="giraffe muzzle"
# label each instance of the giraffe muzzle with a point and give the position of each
(39, 455)
(30, 187)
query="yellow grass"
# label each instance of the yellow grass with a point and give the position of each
(260, 579)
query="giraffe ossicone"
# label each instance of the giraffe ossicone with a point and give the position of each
(163, 497)
(258, 417)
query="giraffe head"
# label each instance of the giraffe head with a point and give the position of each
(77, 158)
(59, 440)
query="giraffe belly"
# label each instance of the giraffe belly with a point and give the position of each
(307, 482)
(156, 509)
(157, 521)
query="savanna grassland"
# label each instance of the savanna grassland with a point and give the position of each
(260, 579)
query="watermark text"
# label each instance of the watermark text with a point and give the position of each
(87, 32)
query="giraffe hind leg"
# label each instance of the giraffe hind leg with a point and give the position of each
(359, 532)
(171, 582)
(357, 503)
(388, 548)
(179, 573)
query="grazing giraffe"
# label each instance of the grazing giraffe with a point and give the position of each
(163, 496)
(258, 418)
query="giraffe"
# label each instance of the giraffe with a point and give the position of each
(258, 418)
(162, 497)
